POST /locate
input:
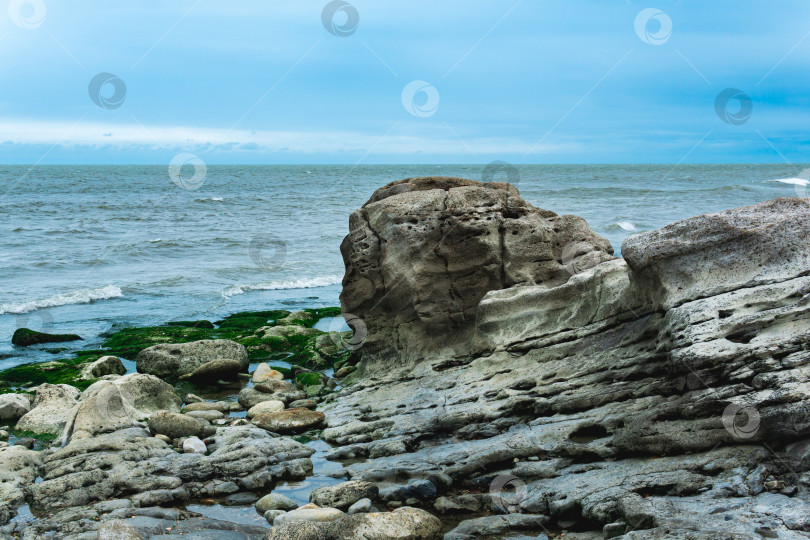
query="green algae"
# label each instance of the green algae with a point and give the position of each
(24, 337)
(300, 348)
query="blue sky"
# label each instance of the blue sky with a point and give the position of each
(524, 82)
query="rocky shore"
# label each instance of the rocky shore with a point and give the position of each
(507, 376)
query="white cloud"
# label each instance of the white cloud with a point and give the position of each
(402, 139)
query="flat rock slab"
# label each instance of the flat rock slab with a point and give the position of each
(289, 421)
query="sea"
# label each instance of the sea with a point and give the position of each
(88, 249)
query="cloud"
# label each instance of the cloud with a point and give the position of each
(400, 139)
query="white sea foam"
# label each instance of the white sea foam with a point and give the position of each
(792, 181)
(626, 225)
(305, 283)
(81, 296)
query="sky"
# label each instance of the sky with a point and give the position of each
(527, 81)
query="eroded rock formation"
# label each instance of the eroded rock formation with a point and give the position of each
(663, 395)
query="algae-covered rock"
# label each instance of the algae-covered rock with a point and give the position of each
(24, 337)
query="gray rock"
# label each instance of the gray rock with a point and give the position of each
(403, 524)
(175, 425)
(454, 235)
(497, 525)
(288, 421)
(51, 409)
(106, 365)
(318, 515)
(118, 529)
(13, 407)
(127, 401)
(275, 501)
(272, 390)
(344, 495)
(360, 507)
(693, 351)
(205, 415)
(215, 370)
(170, 361)
(129, 463)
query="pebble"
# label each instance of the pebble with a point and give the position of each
(163, 438)
(193, 445)
(360, 507)
(3, 434)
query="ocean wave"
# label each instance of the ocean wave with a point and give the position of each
(305, 283)
(81, 296)
(212, 199)
(792, 181)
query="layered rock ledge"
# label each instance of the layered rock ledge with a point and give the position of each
(516, 366)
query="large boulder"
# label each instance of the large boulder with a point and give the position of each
(423, 252)
(172, 361)
(13, 406)
(662, 396)
(124, 402)
(51, 409)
